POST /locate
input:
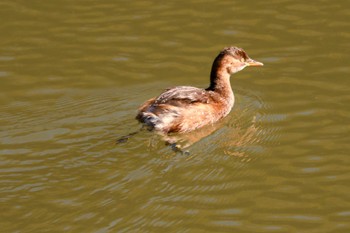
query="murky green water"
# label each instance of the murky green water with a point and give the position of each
(73, 73)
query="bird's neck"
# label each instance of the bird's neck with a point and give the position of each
(220, 83)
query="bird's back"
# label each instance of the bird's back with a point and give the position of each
(181, 109)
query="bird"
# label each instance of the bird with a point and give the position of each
(183, 109)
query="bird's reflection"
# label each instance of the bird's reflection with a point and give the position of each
(238, 135)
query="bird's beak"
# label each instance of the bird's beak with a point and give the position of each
(251, 62)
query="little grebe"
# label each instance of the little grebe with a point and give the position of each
(184, 108)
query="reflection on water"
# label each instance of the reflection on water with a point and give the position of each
(72, 76)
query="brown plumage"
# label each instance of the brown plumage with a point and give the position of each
(184, 108)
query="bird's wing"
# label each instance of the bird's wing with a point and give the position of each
(183, 95)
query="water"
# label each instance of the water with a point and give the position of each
(73, 74)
